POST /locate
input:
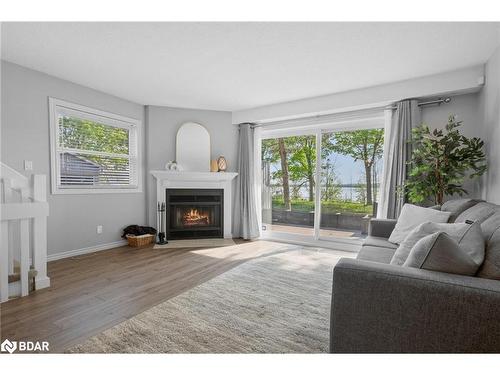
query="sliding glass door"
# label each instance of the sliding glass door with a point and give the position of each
(323, 183)
(351, 163)
(288, 185)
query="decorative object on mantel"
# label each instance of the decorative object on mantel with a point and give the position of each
(214, 166)
(173, 166)
(161, 209)
(222, 163)
(193, 147)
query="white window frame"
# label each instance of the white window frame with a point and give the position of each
(55, 107)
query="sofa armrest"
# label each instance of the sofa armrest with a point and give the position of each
(382, 308)
(381, 227)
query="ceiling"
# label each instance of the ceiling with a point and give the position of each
(234, 66)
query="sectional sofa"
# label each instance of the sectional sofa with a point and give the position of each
(382, 308)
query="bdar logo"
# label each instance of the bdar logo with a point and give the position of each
(24, 346)
(8, 346)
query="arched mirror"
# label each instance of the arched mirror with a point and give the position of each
(193, 147)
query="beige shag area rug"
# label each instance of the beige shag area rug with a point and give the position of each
(209, 242)
(278, 303)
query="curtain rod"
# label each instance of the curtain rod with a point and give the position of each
(317, 117)
(437, 101)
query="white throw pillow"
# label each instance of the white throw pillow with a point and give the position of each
(411, 216)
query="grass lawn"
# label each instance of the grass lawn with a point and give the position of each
(327, 206)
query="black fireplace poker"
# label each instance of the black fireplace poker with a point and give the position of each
(161, 223)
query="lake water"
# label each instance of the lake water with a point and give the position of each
(348, 193)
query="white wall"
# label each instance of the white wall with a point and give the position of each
(490, 107)
(25, 136)
(162, 124)
(466, 108)
(448, 83)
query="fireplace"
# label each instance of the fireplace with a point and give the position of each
(194, 213)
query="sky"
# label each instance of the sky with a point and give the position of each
(347, 170)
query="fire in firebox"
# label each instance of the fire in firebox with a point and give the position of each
(193, 217)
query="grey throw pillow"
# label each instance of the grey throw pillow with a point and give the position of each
(440, 252)
(456, 231)
(491, 265)
(490, 268)
(411, 216)
(457, 206)
(479, 212)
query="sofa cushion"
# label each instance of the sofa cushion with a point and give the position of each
(490, 268)
(455, 230)
(478, 213)
(376, 254)
(411, 216)
(439, 252)
(491, 265)
(457, 206)
(379, 242)
(490, 225)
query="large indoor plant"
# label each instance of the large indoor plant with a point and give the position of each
(441, 160)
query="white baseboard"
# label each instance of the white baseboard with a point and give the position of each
(85, 250)
(42, 282)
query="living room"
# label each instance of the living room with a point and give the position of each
(250, 187)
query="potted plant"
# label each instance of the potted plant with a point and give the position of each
(441, 160)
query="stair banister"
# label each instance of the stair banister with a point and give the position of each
(40, 233)
(23, 210)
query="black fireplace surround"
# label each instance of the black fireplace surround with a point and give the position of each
(194, 213)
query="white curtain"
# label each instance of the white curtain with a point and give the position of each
(246, 219)
(399, 125)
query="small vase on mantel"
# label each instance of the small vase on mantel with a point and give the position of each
(222, 163)
(214, 166)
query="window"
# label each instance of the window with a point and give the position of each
(320, 176)
(93, 151)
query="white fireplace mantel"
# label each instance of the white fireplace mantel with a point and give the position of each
(198, 180)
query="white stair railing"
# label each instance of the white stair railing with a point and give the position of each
(23, 244)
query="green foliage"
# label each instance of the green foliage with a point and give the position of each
(301, 160)
(330, 184)
(364, 145)
(441, 160)
(92, 136)
(334, 206)
(82, 137)
(270, 150)
(302, 163)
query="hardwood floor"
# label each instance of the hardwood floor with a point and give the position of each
(90, 293)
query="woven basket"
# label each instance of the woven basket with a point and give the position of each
(138, 241)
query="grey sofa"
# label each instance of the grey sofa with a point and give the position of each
(383, 308)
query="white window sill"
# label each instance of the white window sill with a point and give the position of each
(58, 191)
